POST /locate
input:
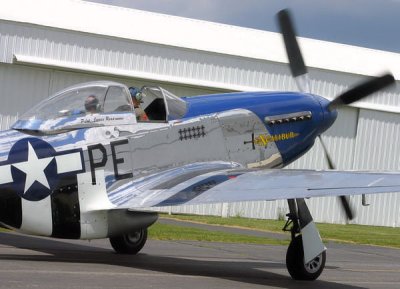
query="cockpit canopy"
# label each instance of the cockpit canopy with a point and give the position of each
(98, 103)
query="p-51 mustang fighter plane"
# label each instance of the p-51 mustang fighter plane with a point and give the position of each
(79, 165)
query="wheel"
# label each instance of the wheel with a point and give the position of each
(130, 243)
(295, 262)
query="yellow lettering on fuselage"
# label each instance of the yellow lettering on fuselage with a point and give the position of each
(264, 140)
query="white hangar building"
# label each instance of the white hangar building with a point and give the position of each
(47, 45)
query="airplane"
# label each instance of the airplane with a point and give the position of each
(80, 165)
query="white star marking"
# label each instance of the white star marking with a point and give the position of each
(34, 169)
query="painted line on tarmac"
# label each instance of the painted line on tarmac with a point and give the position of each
(235, 260)
(372, 270)
(362, 282)
(101, 273)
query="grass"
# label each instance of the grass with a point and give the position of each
(263, 225)
(171, 232)
(358, 234)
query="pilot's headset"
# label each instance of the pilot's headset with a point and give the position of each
(136, 94)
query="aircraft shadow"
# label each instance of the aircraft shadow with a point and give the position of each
(245, 272)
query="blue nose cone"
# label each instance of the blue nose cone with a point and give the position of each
(329, 116)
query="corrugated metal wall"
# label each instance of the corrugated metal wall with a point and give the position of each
(360, 139)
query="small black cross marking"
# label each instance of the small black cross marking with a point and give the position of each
(251, 141)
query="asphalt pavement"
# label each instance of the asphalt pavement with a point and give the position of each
(37, 262)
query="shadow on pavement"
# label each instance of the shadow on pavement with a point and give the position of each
(246, 272)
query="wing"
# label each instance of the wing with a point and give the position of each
(289, 184)
(215, 185)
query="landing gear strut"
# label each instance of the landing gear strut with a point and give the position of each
(130, 243)
(298, 269)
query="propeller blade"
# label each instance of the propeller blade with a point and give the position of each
(296, 62)
(327, 157)
(346, 207)
(362, 90)
(344, 201)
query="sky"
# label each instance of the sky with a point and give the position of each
(368, 23)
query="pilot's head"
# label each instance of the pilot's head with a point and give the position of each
(92, 104)
(136, 96)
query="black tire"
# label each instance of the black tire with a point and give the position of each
(130, 243)
(295, 262)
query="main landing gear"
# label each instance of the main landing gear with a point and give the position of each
(130, 243)
(302, 229)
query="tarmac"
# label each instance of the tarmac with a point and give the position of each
(38, 262)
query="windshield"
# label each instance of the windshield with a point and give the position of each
(83, 105)
(166, 105)
(81, 100)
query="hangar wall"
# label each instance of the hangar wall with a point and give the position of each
(36, 61)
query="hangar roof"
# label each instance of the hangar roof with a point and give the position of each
(195, 34)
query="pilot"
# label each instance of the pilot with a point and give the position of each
(137, 99)
(92, 104)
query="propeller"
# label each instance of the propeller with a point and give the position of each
(300, 74)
